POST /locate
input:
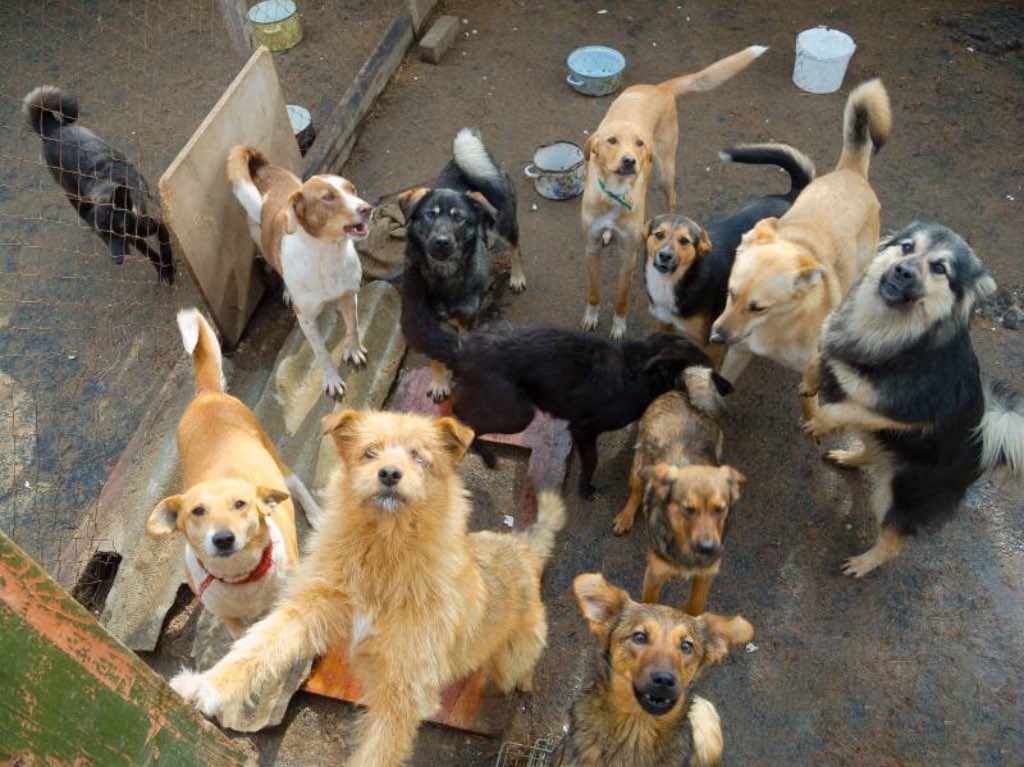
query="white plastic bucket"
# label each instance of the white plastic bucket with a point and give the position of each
(821, 58)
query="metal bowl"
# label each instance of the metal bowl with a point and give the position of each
(595, 70)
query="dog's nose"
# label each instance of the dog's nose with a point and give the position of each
(223, 540)
(664, 257)
(905, 271)
(710, 548)
(389, 476)
(365, 211)
(628, 163)
(716, 336)
(663, 679)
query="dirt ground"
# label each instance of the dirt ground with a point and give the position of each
(920, 663)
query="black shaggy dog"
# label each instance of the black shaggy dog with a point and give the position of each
(897, 368)
(502, 374)
(687, 268)
(108, 192)
(447, 267)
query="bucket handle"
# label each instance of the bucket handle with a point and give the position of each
(531, 171)
(575, 82)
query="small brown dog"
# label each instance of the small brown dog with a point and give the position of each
(235, 514)
(396, 577)
(686, 495)
(790, 272)
(637, 137)
(637, 711)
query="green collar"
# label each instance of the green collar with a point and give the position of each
(621, 199)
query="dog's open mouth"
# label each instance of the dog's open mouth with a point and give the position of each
(357, 231)
(655, 703)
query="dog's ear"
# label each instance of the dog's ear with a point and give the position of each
(483, 204)
(410, 198)
(703, 244)
(764, 231)
(589, 147)
(599, 601)
(724, 634)
(271, 496)
(341, 427)
(163, 520)
(660, 478)
(648, 228)
(455, 436)
(809, 274)
(288, 218)
(983, 287)
(734, 480)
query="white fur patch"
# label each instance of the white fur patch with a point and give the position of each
(362, 629)
(1002, 436)
(757, 50)
(661, 293)
(471, 156)
(197, 692)
(707, 733)
(618, 327)
(188, 325)
(591, 315)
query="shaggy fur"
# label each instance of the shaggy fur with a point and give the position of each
(897, 368)
(395, 576)
(235, 503)
(106, 190)
(447, 266)
(686, 271)
(637, 709)
(502, 374)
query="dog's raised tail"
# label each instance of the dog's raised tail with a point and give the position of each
(1002, 429)
(799, 166)
(48, 107)
(714, 75)
(867, 124)
(550, 519)
(201, 344)
(243, 167)
(474, 159)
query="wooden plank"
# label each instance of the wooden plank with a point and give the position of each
(206, 220)
(236, 23)
(74, 695)
(333, 145)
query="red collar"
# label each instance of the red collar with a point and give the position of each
(261, 569)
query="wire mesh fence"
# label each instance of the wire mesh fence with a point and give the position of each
(86, 308)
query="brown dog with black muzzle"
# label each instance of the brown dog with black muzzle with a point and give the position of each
(637, 710)
(686, 495)
(636, 139)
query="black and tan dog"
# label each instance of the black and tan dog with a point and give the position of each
(502, 375)
(106, 190)
(897, 369)
(637, 710)
(447, 266)
(686, 272)
(687, 497)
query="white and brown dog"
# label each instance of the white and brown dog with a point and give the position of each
(305, 231)
(235, 513)
(637, 137)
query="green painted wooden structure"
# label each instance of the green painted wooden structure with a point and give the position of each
(72, 694)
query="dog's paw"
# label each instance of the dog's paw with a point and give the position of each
(861, 565)
(815, 428)
(590, 317)
(844, 459)
(333, 386)
(622, 523)
(197, 692)
(806, 389)
(355, 355)
(618, 331)
(517, 283)
(439, 392)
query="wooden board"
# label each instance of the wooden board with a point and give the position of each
(202, 213)
(73, 695)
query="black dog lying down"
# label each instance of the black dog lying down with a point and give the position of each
(108, 192)
(447, 266)
(596, 384)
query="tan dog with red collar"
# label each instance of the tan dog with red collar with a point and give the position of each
(636, 139)
(235, 513)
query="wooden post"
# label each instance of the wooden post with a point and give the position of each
(72, 694)
(235, 13)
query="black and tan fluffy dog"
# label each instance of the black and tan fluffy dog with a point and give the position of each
(686, 272)
(502, 374)
(447, 266)
(686, 495)
(637, 710)
(897, 369)
(106, 190)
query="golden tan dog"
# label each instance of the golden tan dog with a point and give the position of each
(637, 710)
(636, 139)
(687, 497)
(395, 575)
(790, 272)
(235, 513)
